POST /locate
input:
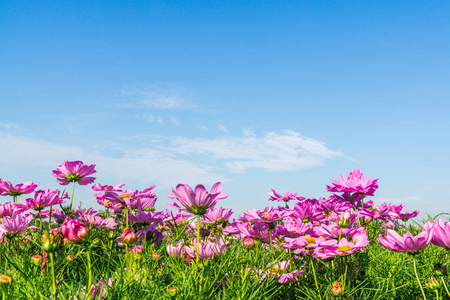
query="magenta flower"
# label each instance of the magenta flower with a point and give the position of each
(268, 216)
(291, 277)
(9, 209)
(177, 251)
(105, 188)
(286, 197)
(74, 171)
(11, 226)
(218, 215)
(74, 230)
(147, 218)
(43, 199)
(355, 183)
(441, 233)
(6, 188)
(408, 243)
(198, 202)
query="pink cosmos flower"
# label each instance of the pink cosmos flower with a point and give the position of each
(6, 188)
(198, 202)
(105, 188)
(286, 197)
(146, 218)
(16, 224)
(441, 233)
(74, 171)
(291, 277)
(43, 199)
(407, 243)
(218, 215)
(74, 230)
(9, 209)
(268, 216)
(178, 251)
(355, 183)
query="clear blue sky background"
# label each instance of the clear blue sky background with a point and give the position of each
(256, 94)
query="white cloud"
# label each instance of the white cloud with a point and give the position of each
(222, 128)
(166, 161)
(288, 151)
(151, 166)
(156, 97)
(9, 126)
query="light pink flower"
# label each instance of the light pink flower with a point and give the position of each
(7, 188)
(74, 171)
(407, 243)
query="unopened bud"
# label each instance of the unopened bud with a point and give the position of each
(82, 233)
(336, 289)
(128, 237)
(173, 291)
(433, 283)
(49, 242)
(36, 259)
(155, 256)
(249, 243)
(70, 258)
(5, 280)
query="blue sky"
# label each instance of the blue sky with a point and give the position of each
(255, 94)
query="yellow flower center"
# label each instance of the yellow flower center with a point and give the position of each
(344, 248)
(310, 240)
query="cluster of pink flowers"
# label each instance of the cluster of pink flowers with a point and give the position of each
(314, 228)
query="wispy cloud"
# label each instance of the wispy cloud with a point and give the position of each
(9, 126)
(149, 118)
(155, 97)
(166, 161)
(277, 152)
(222, 128)
(145, 165)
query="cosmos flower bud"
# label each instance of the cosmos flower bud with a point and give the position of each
(49, 242)
(5, 280)
(74, 230)
(248, 243)
(336, 289)
(70, 258)
(128, 237)
(155, 256)
(36, 259)
(173, 291)
(433, 283)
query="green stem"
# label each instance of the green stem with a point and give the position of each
(126, 214)
(437, 294)
(15, 198)
(198, 238)
(40, 221)
(7, 254)
(89, 269)
(3, 295)
(52, 266)
(418, 280)
(71, 198)
(445, 286)
(315, 278)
